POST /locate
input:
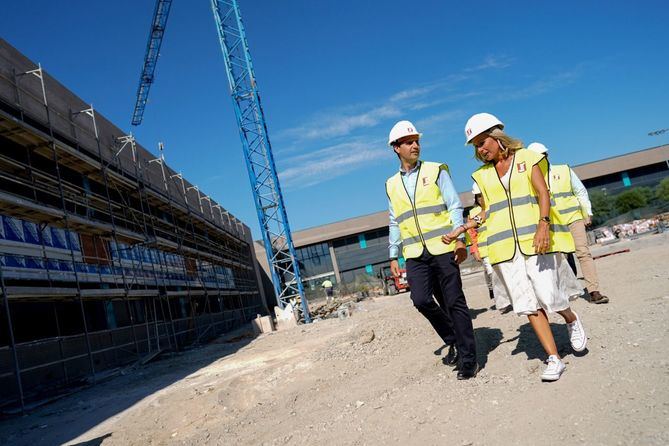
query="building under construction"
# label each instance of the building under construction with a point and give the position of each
(107, 256)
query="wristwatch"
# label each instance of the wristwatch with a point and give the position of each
(546, 219)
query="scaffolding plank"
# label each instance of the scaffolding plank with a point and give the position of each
(32, 291)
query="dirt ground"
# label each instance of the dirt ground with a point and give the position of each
(374, 379)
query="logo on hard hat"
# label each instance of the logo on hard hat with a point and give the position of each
(469, 132)
(410, 130)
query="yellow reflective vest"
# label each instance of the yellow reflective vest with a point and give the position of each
(513, 215)
(423, 220)
(558, 179)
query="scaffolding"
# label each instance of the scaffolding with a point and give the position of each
(107, 256)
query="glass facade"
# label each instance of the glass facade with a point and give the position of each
(314, 260)
(360, 257)
(612, 184)
(315, 266)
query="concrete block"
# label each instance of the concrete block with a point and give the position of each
(285, 318)
(262, 324)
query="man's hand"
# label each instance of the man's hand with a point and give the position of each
(477, 256)
(587, 220)
(453, 235)
(395, 268)
(460, 252)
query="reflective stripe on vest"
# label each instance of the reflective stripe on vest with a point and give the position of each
(421, 226)
(568, 209)
(510, 226)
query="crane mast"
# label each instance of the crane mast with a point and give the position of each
(259, 159)
(158, 24)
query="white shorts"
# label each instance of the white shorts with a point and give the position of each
(538, 282)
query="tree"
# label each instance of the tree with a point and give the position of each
(662, 190)
(630, 200)
(602, 206)
(646, 192)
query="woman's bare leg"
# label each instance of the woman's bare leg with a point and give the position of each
(568, 315)
(542, 328)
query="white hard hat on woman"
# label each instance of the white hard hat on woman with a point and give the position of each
(479, 123)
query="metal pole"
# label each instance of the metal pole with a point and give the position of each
(12, 342)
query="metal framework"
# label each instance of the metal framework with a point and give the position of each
(148, 250)
(158, 24)
(259, 159)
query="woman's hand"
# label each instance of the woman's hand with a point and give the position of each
(541, 238)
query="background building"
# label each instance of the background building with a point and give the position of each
(107, 255)
(351, 252)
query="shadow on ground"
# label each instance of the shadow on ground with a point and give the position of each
(487, 340)
(94, 442)
(528, 342)
(98, 403)
(473, 312)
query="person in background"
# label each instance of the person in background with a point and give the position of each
(476, 237)
(423, 205)
(329, 290)
(574, 209)
(479, 250)
(524, 246)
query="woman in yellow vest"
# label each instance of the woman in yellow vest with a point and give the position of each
(524, 243)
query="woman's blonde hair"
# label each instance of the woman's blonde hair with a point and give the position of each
(507, 144)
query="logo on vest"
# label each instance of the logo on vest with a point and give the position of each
(556, 176)
(426, 181)
(521, 167)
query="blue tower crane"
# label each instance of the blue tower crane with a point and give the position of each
(258, 155)
(158, 24)
(255, 143)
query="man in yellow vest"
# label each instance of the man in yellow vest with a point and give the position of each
(327, 286)
(423, 205)
(574, 209)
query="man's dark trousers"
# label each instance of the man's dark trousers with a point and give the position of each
(427, 270)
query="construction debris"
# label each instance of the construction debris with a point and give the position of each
(342, 307)
(620, 251)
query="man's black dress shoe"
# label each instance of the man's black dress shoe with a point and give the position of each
(468, 370)
(452, 357)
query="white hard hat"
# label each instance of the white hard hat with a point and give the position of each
(537, 147)
(480, 123)
(475, 189)
(400, 130)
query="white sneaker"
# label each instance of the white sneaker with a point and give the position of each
(577, 335)
(554, 368)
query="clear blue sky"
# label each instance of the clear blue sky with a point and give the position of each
(586, 78)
